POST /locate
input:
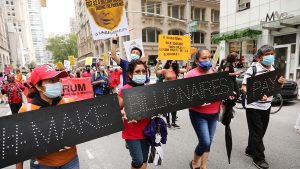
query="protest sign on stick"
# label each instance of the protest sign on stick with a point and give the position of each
(174, 47)
(77, 88)
(28, 135)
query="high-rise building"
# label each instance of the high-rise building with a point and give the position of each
(73, 25)
(36, 26)
(4, 50)
(17, 22)
(143, 24)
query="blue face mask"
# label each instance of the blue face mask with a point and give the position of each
(134, 56)
(268, 60)
(205, 65)
(53, 90)
(102, 68)
(139, 79)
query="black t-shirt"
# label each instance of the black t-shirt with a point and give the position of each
(231, 70)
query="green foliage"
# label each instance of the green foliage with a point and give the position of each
(31, 65)
(235, 35)
(62, 47)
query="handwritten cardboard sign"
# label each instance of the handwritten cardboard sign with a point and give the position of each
(107, 18)
(174, 47)
(31, 134)
(146, 101)
(264, 84)
(77, 88)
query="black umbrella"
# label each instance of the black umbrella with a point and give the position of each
(228, 115)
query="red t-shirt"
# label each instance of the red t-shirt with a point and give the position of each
(118, 75)
(86, 74)
(15, 98)
(210, 108)
(113, 79)
(133, 131)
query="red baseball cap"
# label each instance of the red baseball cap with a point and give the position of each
(45, 72)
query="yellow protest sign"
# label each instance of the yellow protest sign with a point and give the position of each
(88, 61)
(174, 47)
(59, 65)
(72, 60)
(216, 57)
(105, 57)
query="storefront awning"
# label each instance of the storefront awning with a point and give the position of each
(289, 22)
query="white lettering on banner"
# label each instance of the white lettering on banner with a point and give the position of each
(177, 95)
(15, 144)
(267, 85)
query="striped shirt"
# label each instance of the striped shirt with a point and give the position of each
(260, 69)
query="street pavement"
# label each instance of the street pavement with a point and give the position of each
(281, 142)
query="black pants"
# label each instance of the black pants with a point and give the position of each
(174, 114)
(15, 107)
(258, 121)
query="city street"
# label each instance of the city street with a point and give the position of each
(281, 142)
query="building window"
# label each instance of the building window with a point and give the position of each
(7, 2)
(215, 15)
(20, 30)
(13, 14)
(150, 7)
(150, 34)
(126, 38)
(198, 14)
(243, 5)
(15, 24)
(198, 37)
(175, 32)
(12, 3)
(176, 11)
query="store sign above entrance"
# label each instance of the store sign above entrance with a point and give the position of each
(274, 16)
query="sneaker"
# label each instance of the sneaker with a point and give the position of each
(169, 125)
(261, 164)
(175, 125)
(248, 153)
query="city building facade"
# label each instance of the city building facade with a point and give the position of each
(36, 26)
(143, 24)
(278, 22)
(17, 23)
(4, 50)
(73, 25)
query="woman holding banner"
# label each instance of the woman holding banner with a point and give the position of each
(170, 72)
(46, 92)
(134, 130)
(203, 117)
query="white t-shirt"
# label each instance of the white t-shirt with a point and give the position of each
(260, 69)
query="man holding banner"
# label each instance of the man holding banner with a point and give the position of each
(258, 113)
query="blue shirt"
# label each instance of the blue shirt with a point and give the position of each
(99, 89)
(124, 65)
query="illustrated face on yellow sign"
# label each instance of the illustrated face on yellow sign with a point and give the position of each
(106, 14)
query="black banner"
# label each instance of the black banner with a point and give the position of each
(31, 134)
(146, 101)
(264, 84)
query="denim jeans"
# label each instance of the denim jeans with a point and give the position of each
(73, 164)
(205, 127)
(139, 150)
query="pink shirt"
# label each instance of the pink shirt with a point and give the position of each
(209, 108)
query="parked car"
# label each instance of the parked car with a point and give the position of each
(289, 92)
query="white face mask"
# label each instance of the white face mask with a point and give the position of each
(134, 56)
(53, 90)
(139, 79)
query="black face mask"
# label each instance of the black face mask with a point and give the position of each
(88, 70)
(174, 65)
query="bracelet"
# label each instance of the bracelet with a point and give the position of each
(115, 41)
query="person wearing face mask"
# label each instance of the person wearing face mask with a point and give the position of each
(134, 130)
(13, 90)
(170, 72)
(135, 54)
(203, 117)
(46, 91)
(100, 81)
(78, 73)
(88, 72)
(258, 113)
